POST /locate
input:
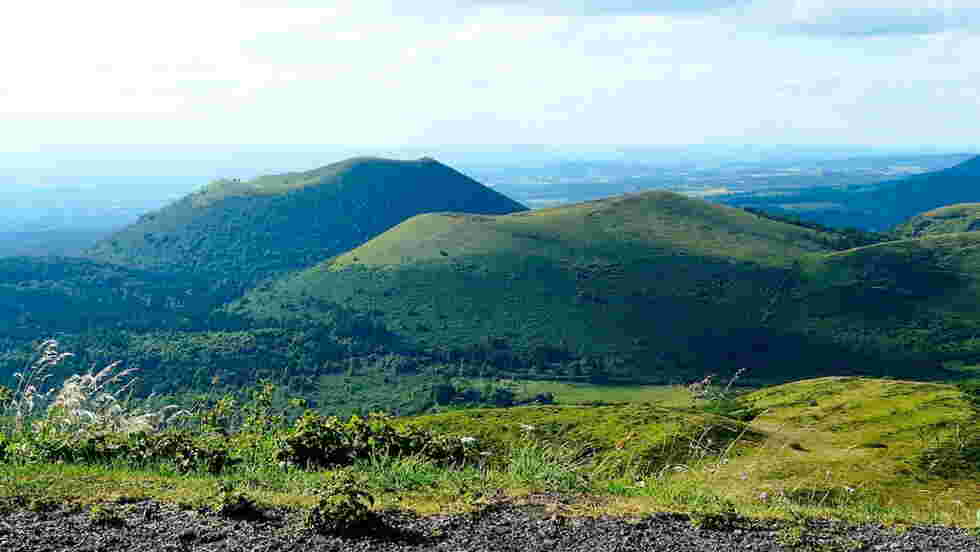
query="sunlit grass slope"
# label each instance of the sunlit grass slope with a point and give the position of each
(635, 438)
(248, 230)
(861, 448)
(655, 276)
(911, 444)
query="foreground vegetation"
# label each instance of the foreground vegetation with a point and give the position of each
(858, 449)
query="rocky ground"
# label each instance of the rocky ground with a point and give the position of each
(152, 526)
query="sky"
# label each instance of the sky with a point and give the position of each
(420, 73)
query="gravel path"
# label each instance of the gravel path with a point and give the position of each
(151, 526)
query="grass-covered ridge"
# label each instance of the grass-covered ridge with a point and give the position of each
(890, 427)
(247, 231)
(274, 184)
(628, 276)
(658, 286)
(666, 223)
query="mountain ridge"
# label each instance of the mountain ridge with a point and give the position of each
(878, 207)
(277, 223)
(662, 284)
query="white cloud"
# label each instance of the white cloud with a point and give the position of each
(378, 73)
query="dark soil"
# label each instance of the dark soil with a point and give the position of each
(153, 526)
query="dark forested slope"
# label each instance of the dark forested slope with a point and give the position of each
(45, 296)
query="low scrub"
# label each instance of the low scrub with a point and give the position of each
(316, 441)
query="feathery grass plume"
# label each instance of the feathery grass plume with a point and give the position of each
(85, 404)
(27, 397)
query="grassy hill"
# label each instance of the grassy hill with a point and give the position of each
(878, 207)
(962, 217)
(651, 287)
(252, 229)
(659, 286)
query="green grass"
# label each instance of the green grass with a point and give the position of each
(805, 457)
(568, 393)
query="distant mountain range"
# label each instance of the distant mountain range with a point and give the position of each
(878, 207)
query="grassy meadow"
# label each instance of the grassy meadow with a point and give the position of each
(858, 449)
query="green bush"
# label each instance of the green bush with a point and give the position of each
(186, 451)
(315, 441)
(229, 502)
(341, 505)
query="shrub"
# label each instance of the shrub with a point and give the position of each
(316, 441)
(106, 515)
(187, 451)
(341, 505)
(229, 502)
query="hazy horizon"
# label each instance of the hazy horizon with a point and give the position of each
(181, 168)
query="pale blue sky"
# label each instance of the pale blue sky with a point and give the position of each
(491, 72)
